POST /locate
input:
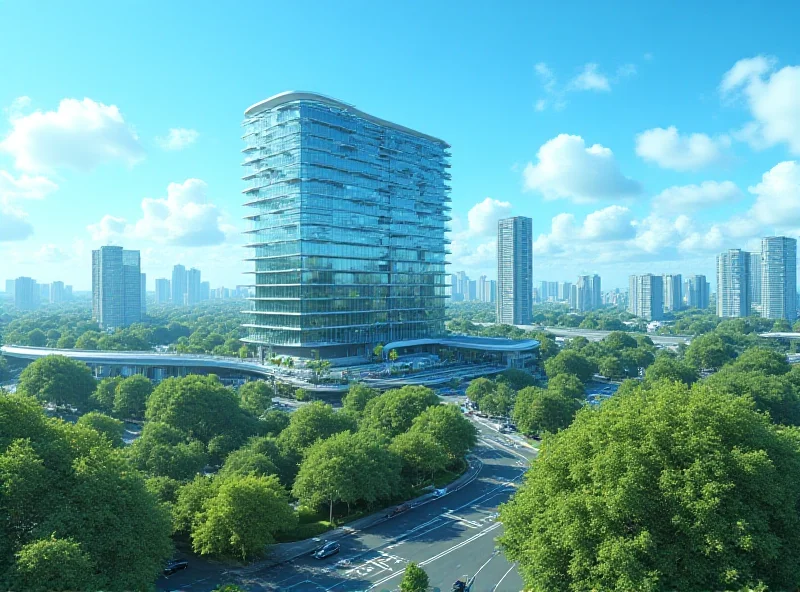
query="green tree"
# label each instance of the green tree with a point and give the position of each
(190, 500)
(568, 386)
(242, 518)
(414, 579)
(52, 564)
(87, 341)
(111, 428)
(570, 362)
(130, 398)
(394, 411)
(66, 341)
(610, 367)
(516, 379)
(103, 396)
(617, 341)
(763, 360)
(479, 388)
(393, 355)
(37, 338)
(357, 397)
(709, 351)
(247, 461)
(667, 487)
(498, 403)
(4, 373)
(347, 468)
(377, 351)
(775, 394)
(543, 410)
(59, 380)
(448, 427)
(312, 422)
(256, 397)
(669, 368)
(201, 407)
(162, 450)
(421, 454)
(274, 422)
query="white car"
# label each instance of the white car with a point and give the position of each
(439, 492)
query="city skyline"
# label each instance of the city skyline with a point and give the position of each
(675, 181)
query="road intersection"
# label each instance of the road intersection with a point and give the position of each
(450, 537)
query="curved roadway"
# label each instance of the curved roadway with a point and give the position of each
(450, 537)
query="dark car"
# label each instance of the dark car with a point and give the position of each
(175, 566)
(326, 550)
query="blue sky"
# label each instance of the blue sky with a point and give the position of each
(638, 136)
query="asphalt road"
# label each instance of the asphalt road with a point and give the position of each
(597, 335)
(450, 537)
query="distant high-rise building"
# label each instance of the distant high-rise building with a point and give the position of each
(205, 291)
(178, 285)
(193, 286)
(647, 296)
(755, 281)
(779, 278)
(116, 287)
(162, 291)
(483, 289)
(44, 293)
(733, 284)
(57, 292)
(10, 287)
(697, 291)
(143, 292)
(26, 293)
(515, 271)
(564, 289)
(68, 293)
(585, 294)
(492, 291)
(673, 292)
(473, 290)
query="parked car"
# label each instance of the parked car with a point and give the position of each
(326, 550)
(439, 492)
(175, 566)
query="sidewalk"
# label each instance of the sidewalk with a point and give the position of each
(286, 552)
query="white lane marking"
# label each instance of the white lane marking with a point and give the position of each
(442, 554)
(493, 555)
(497, 585)
(460, 520)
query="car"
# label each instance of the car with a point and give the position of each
(175, 566)
(439, 492)
(326, 550)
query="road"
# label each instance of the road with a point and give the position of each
(450, 537)
(597, 335)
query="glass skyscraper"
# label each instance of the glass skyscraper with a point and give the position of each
(733, 284)
(347, 227)
(116, 287)
(779, 278)
(515, 271)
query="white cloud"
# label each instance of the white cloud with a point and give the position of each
(609, 225)
(18, 107)
(79, 135)
(778, 196)
(671, 150)
(49, 253)
(626, 70)
(566, 168)
(178, 139)
(108, 229)
(773, 98)
(688, 198)
(476, 245)
(25, 186)
(540, 105)
(546, 76)
(184, 218)
(591, 79)
(483, 216)
(14, 225)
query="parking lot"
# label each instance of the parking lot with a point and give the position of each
(596, 392)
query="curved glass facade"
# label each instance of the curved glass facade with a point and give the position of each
(347, 228)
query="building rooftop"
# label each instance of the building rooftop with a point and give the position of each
(300, 95)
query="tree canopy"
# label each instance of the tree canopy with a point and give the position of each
(414, 579)
(59, 380)
(664, 487)
(394, 411)
(568, 361)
